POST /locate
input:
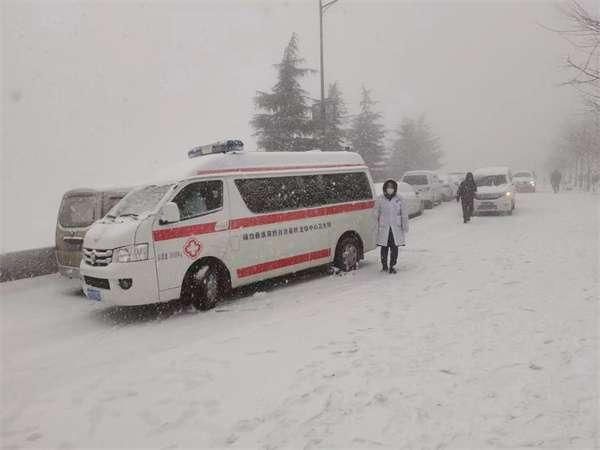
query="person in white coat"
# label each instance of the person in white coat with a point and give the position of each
(392, 220)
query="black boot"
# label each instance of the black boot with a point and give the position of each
(392, 270)
(384, 268)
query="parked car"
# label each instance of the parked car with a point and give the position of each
(79, 208)
(524, 181)
(448, 187)
(495, 191)
(427, 185)
(411, 199)
(230, 218)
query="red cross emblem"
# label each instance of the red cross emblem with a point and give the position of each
(192, 248)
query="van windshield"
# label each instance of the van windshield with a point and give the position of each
(78, 210)
(523, 174)
(491, 180)
(416, 180)
(140, 201)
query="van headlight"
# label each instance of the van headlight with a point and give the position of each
(508, 194)
(131, 253)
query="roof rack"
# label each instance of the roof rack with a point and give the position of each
(229, 145)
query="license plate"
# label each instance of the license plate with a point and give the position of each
(94, 294)
(487, 205)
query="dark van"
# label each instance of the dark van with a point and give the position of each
(79, 209)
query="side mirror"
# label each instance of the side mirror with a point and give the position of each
(170, 213)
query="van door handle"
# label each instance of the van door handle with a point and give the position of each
(222, 225)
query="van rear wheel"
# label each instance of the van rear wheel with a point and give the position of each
(203, 287)
(347, 254)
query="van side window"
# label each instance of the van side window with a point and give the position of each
(270, 194)
(347, 187)
(199, 198)
(263, 195)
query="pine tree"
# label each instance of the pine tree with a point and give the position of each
(333, 136)
(415, 147)
(284, 124)
(367, 133)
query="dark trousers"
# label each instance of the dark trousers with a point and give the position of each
(467, 207)
(391, 245)
(556, 187)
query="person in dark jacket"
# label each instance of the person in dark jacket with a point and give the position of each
(466, 193)
(555, 178)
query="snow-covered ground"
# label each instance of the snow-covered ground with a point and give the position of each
(487, 337)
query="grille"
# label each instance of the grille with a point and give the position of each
(488, 196)
(101, 283)
(95, 257)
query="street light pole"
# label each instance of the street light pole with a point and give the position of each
(322, 8)
(322, 65)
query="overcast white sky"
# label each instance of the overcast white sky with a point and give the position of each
(103, 93)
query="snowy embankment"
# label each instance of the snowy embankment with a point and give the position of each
(487, 337)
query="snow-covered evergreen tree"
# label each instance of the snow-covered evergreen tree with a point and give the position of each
(366, 134)
(332, 136)
(415, 147)
(284, 123)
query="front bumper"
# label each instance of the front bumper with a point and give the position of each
(102, 283)
(525, 187)
(502, 204)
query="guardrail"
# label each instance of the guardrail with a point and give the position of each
(27, 264)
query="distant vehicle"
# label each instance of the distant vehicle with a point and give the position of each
(229, 219)
(426, 184)
(410, 197)
(495, 191)
(524, 181)
(79, 208)
(457, 177)
(448, 187)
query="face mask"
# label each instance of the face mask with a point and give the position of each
(389, 191)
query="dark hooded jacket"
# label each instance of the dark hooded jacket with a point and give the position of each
(467, 189)
(387, 184)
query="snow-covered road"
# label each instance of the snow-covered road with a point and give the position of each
(487, 337)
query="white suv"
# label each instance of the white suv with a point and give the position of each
(495, 191)
(524, 181)
(427, 185)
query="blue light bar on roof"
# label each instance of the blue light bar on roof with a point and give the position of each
(230, 145)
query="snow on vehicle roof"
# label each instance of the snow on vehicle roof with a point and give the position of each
(420, 172)
(244, 162)
(483, 171)
(106, 190)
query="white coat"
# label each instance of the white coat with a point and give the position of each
(391, 214)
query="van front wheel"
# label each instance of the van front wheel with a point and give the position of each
(203, 287)
(347, 254)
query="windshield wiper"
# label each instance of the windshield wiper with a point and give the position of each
(129, 215)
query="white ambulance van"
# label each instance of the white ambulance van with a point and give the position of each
(230, 218)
